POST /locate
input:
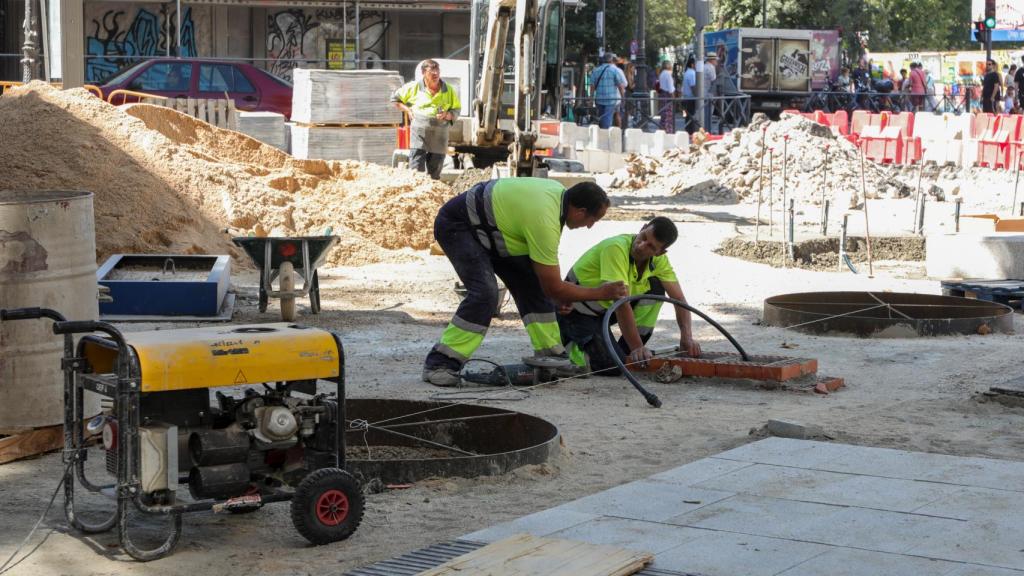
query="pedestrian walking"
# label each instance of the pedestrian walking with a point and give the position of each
(607, 85)
(666, 95)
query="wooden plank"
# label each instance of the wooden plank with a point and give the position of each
(523, 554)
(190, 104)
(31, 443)
(220, 107)
(201, 113)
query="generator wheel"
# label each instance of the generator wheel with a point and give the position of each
(264, 299)
(286, 273)
(328, 506)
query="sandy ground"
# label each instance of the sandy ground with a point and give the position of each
(915, 394)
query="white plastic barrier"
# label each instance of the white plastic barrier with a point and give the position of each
(682, 139)
(615, 140)
(634, 138)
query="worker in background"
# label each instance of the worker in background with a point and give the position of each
(511, 227)
(433, 105)
(639, 261)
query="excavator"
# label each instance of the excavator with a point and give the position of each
(516, 105)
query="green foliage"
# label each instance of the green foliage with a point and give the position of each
(892, 25)
(667, 24)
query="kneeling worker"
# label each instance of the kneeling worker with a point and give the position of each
(511, 227)
(638, 260)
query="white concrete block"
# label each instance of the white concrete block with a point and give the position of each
(988, 256)
(634, 139)
(615, 139)
(658, 142)
(597, 161)
(616, 160)
(669, 141)
(594, 138)
(566, 133)
(682, 139)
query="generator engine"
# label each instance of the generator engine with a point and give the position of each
(235, 445)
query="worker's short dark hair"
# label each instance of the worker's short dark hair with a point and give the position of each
(664, 230)
(589, 196)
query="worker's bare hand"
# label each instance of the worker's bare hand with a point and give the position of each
(689, 346)
(564, 308)
(445, 116)
(612, 291)
(639, 357)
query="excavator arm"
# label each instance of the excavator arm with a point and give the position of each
(487, 132)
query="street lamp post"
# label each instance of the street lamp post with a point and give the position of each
(641, 56)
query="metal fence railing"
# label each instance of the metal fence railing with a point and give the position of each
(720, 113)
(966, 99)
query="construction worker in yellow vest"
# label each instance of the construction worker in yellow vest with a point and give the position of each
(433, 105)
(511, 228)
(638, 260)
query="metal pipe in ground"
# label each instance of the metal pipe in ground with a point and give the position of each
(771, 191)
(785, 162)
(792, 230)
(956, 213)
(867, 228)
(824, 218)
(824, 185)
(919, 225)
(760, 187)
(917, 197)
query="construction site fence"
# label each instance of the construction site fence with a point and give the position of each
(716, 114)
(966, 99)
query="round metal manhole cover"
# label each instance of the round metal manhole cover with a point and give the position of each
(401, 441)
(885, 314)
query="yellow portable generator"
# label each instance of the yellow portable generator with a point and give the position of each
(267, 436)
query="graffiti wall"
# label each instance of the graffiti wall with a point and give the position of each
(118, 35)
(298, 38)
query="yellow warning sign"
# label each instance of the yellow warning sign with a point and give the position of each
(240, 378)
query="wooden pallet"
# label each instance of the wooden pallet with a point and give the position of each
(31, 443)
(218, 112)
(526, 554)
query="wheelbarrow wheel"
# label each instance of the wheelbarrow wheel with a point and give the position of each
(328, 506)
(286, 273)
(314, 294)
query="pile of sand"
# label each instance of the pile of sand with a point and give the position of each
(166, 182)
(726, 171)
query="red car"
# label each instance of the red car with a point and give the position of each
(250, 87)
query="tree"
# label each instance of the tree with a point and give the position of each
(667, 25)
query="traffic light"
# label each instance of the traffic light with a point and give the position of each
(990, 15)
(979, 26)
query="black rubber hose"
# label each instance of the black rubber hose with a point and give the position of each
(613, 348)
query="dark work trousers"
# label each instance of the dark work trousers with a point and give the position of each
(422, 161)
(476, 268)
(585, 331)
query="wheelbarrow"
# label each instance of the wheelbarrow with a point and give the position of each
(283, 258)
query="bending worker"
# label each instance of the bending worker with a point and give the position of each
(639, 260)
(433, 105)
(511, 227)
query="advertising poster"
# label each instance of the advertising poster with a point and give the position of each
(757, 64)
(725, 45)
(824, 58)
(794, 71)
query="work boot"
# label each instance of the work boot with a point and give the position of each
(444, 377)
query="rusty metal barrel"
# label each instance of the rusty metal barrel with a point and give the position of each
(47, 259)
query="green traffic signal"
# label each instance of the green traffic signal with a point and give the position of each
(990, 23)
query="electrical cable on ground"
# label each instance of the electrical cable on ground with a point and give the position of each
(7, 566)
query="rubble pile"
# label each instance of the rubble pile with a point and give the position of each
(166, 182)
(726, 171)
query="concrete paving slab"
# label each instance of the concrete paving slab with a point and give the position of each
(728, 554)
(632, 534)
(542, 523)
(646, 500)
(799, 507)
(973, 570)
(877, 530)
(851, 562)
(968, 503)
(757, 515)
(995, 542)
(699, 471)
